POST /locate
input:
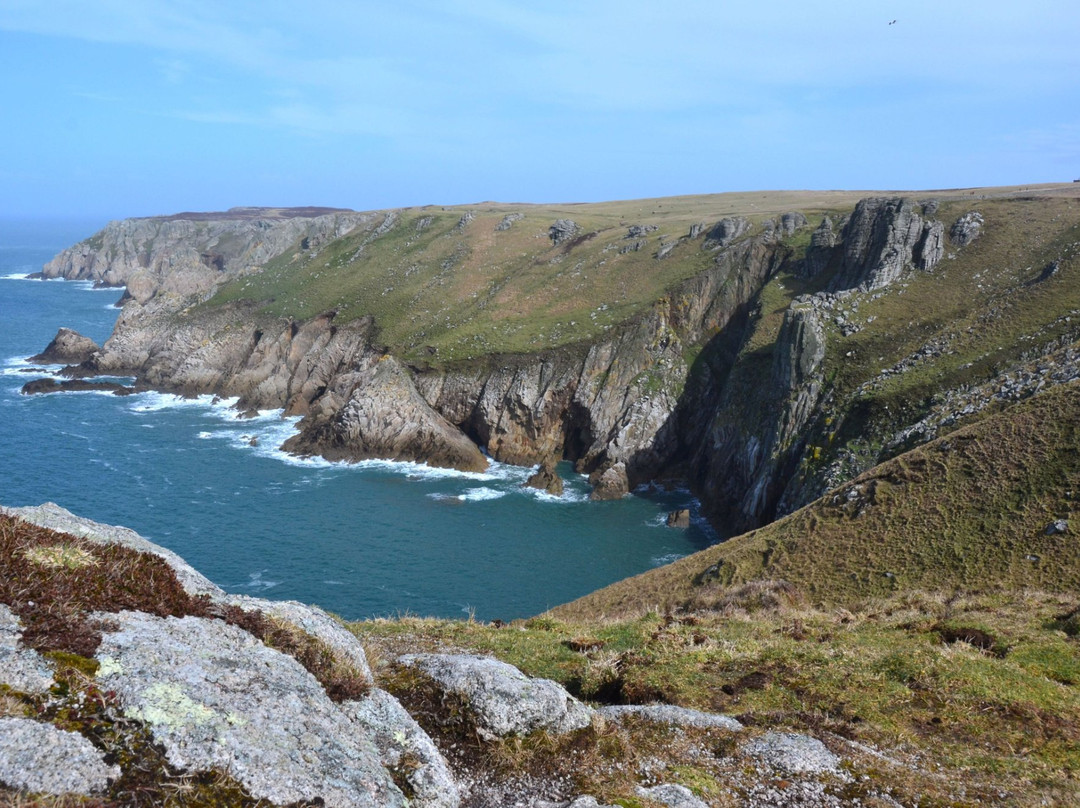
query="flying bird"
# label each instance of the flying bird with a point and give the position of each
(893, 22)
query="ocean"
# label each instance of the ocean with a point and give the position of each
(362, 540)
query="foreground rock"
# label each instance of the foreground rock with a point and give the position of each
(67, 348)
(41, 758)
(217, 698)
(546, 478)
(21, 669)
(504, 701)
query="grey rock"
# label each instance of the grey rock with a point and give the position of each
(726, 231)
(670, 714)
(696, 230)
(672, 795)
(664, 251)
(40, 758)
(562, 230)
(67, 348)
(791, 222)
(403, 745)
(464, 221)
(930, 207)
(638, 230)
(633, 246)
(508, 221)
(215, 697)
(21, 669)
(504, 701)
(52, 516)
(587, 802)
(313, 621)
(966, 229)
(820, 251)
(1056, 527)
(882, 239)
(793, 753)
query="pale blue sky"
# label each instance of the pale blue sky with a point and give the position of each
(134, 107)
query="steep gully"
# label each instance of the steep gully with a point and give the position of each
(627, 409)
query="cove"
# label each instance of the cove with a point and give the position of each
(362, 540)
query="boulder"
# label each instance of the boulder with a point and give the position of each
(966, 229)
(725, 231)
(793, 753)
(42, 759)
(562, 230)
(1056, 527)
(884, 238)
(21, 669)
(67, 348)
(672, 795)
(404, 747)
(215, 697)
(820, 251)
(508, 221)
(503, 700)
(546, 478)
(679, 518)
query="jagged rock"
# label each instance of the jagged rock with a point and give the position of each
(508, 221)
(610, 483)
(464, 221)
(670, 714)
(40, 758)
(633, 246)
(403, 746)
(726, 231)
(966, 229)
(791, 222)
(21, 669)
(504, 701)
(696, 230)
(562, 230)
(930, 207)
(672, 795)
(546, 478)
(215, 697)
(883, 237)
(638, 230)
(67, 348)
(793, 753)
(679, 518)
(1056, 527)
(820, 251)
(664, 251)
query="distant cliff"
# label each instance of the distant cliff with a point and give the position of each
(748, 355)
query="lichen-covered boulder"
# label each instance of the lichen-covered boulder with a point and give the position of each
(217, 698)
(21, 669)
(503, 700)
(42, 759)
(670, 714)
(792, 753)
(406, 748)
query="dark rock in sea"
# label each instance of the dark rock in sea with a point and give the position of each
(67, 348)
(48, 385)
(546, 478)
(679, 518)
(610, 483)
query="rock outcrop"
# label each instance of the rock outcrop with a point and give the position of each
(67, 348)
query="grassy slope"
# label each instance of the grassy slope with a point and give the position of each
(964, 511)
(471, 290)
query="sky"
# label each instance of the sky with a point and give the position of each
(118, 108)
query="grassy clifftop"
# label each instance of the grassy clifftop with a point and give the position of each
(447, 282)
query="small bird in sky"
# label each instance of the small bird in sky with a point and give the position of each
(893, 22)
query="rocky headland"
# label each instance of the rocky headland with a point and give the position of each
(757, 371)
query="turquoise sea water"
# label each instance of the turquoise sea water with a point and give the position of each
(362, 540)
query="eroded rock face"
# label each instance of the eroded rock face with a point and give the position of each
(966, 229)
(67, 348)
(216, 697)
(563, 230)
(726, 231)
(882, 239)
(40, 758)
(504, 701)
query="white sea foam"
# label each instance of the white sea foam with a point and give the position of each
(481, 494)
(156, 402)
(256, 581)
(18, 276)
(660, 561)
(205, 435)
